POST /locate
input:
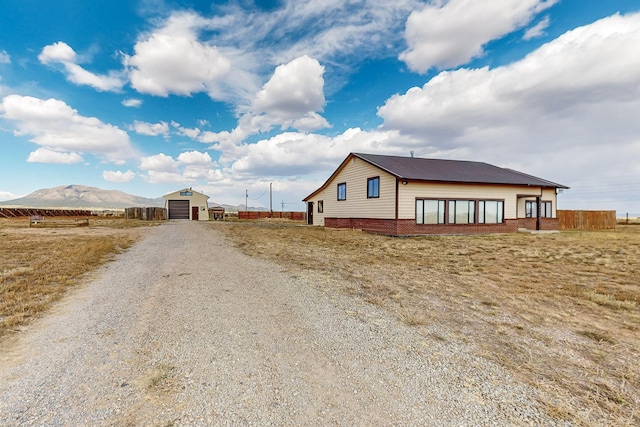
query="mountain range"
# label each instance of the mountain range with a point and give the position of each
(81, 196)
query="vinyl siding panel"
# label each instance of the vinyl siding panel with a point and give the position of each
(412, 191)
(357, 205)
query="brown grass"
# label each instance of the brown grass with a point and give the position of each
(560, 311)
(38, 265)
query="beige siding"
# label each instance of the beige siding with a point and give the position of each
(548, 195)
(410, 192)
(357, 205)
(196, 199)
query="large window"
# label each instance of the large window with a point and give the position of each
(490, 211)
(462, 211)
(373, 187)
(430, 211)
(545, 209)
(342, 191)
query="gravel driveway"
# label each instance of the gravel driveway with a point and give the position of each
(183, 329)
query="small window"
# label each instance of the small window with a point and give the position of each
(529, 207)
(545, 209)
(320, 206)
(373, 187)
(342, 191)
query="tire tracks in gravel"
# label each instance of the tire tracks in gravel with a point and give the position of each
(183, 329)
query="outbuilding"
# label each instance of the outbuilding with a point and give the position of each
(187, 204)
(412, 196)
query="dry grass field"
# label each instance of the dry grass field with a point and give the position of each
(559, 311)
(38, 265)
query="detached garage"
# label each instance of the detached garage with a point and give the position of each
(187, 204)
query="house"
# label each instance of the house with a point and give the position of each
(412, 196)
(187, 204)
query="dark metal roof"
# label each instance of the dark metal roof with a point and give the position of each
(419, 169)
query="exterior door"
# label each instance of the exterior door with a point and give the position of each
(194, 213)
(310, 213)
(178, 209)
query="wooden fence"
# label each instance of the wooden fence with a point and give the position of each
(294, 216)
(28, 212)
(587, 220)
(146, 214)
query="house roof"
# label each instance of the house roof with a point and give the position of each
(451, 171)
(419, 169)
(185, 190)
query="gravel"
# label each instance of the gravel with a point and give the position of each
(183, 329)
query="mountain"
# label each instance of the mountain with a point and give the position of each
(80, 196)
(83, 197)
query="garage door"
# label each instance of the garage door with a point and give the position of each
(178, 209)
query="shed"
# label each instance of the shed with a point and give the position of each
(187, 204)
(216, 213)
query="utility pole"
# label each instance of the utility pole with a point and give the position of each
(246, 200)
(271, 198)
(282, 206)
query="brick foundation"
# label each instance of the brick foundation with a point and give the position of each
(545, 223)
(408, 227)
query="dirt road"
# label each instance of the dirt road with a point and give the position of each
(185, 330)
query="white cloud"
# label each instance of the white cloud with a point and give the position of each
(189, 167)
(159, 163)
(334, 31)
(57, 127)
(4, 57)
(195, 158)
(118, 176)
(7, 195)
(447, 34)
(132, 102)
(46, 155)
(293, 153)
(310, 122)
(537, 30)
(57, 52)
(192, 133)
(565, 110)
(295, 90)
(151, 129)
(296, 163)
(291, 99)
(171, 60)
(228, 55)
(63, 54)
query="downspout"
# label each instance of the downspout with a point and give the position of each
(538, 206)
(397, 197)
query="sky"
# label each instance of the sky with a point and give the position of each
(234, 98)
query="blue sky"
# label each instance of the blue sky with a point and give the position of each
(225, 97)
